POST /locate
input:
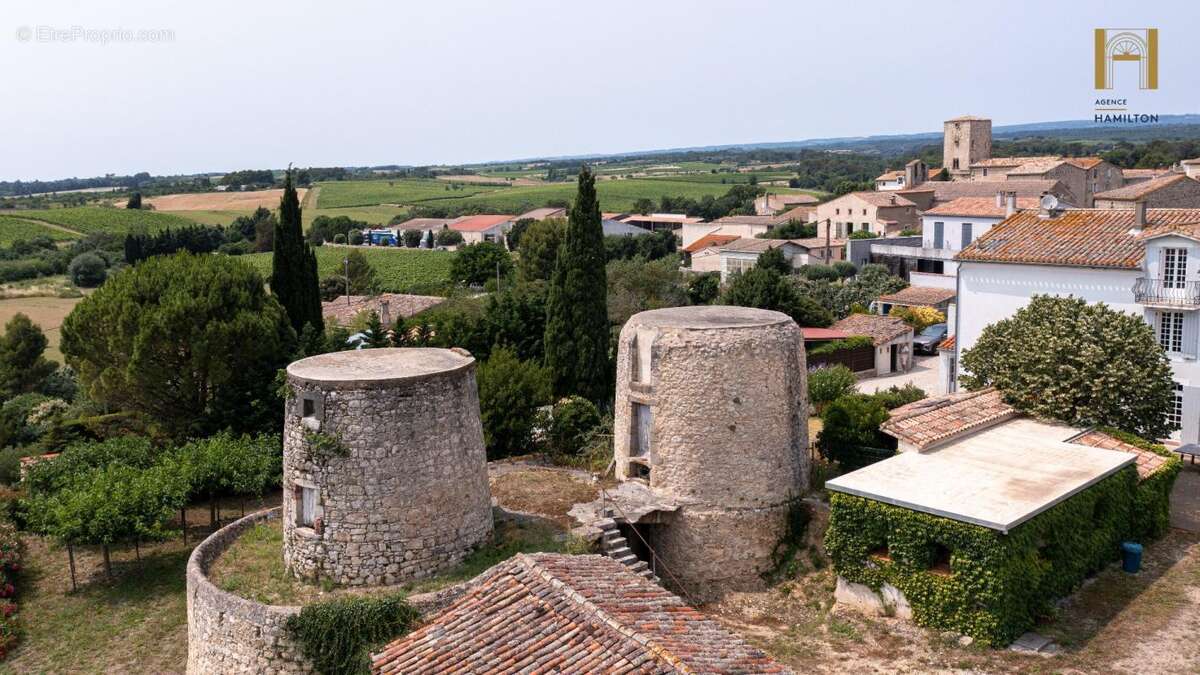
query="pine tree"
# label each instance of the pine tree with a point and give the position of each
(294, 265)
(577, 329)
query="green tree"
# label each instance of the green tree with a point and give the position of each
(636, 286)
(375, 331)
(361, 276)
(577, 329)
(767, 289)
(23, 366)
(87, 270)
(850, 432)
(512, 238)
(225, 465)
(475, 264)
(865, 287)
(1084, 364)
(539, 249)
(190, 342)
(294, 265)
(774, 260)
(516, 318)
(829, 384)
(702, 289)
(448, 237)
(510, 393)
(412, 238)
(571, 422)
(135, 201)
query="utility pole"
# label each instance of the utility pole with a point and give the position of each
(346, 261)
(828, 225)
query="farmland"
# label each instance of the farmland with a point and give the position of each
(220, 201)
(399, 270)
(14, 229)
(86, 220)
(399, 191)
(48, 313)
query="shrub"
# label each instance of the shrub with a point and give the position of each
(87, 270)
(448, 237)
(845, 344)
(863, 234)
(338, 635)
(702, 289)
(411, 238)
(895, 396)
(10, 466)
(339, 238)
(10, 566)
(850, 432)
(571, 423)
(919, 318)
(818, 272)
(844, 268)
(510, 393)
(356, 238)
(828, 384)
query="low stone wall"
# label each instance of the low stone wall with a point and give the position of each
(228, 633)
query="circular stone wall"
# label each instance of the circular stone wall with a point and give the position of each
(384, 469)
(711, 411)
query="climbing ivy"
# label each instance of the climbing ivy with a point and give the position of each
(338, 635)
(1152, 500)
(995, 585)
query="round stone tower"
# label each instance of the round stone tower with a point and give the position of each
(712, 414)
(384, 470)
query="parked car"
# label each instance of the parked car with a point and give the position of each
(929, 339)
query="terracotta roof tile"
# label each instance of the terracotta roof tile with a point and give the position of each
(890, 175)
(944, 191)
(947, 345)
(1014, 161)
(889, 198)
(709, 240)
(881, 329)
(1148, 461)
(979, 206)
(561, 613)
(479, 223)
(1076, 237)
(400, 306)
(930, 421)
(1139, 190)
(919, 295)
(1143, 173)
(804, 214)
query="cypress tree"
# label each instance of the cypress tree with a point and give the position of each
(577, 328)
(294, 265)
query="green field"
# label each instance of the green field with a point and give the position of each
(399, 270)
(338, 194)
(731, 178)
(87, 219)
(14, 229)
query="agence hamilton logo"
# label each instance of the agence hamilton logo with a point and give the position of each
(1114, 48)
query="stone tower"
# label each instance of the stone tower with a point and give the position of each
(712, 415)
(965, 140)
(384, 470)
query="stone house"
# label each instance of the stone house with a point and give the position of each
(740, 255)
(739, 226)
(965, 141)
(1169, 191)
(891, 336)
(1080, 177)
(705, 252)
(771, 204)
(885, 214)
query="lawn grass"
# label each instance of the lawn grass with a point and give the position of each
(399, 270)
(89, 219)
(337, 194)
(17, 229)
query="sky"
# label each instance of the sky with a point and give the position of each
(222, 85)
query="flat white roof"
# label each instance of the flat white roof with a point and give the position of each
(998, 477)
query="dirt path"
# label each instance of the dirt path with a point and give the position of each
(52, 226)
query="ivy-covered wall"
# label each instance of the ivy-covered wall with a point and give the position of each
(978, 581)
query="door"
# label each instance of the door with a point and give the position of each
(939, 235)
(642, 421)
(895, 358)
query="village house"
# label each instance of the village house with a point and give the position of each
(933, 193)
(891, 337)
(392, 308)
(884, 214)
(543, 213)
(1170, 190)
(741, 254)
(1191, 167)
(705, 252)
(475, 229)
(1142, 261)
(1141, 175)
(916, 296)
(771, 204)
(738, 226)
(913, 174)
(1081, 177)
(660, 221)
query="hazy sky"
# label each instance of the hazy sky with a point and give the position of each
(256, 84)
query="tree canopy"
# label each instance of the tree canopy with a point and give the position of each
(475, 264)
(539, 249)
(1084, 364)
(767, 289)
(23, 366)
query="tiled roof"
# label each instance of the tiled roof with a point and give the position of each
(752, 245)
(400, 306)
(1038, 167)
(478, 223)
(423, 224)
(709, 240)
(1148, 461)
(818, 242)
(933, 420)
(979, 206)
(881, 198)
(919, 295)
(823, 334)
(1012, 161)
(746, 220)
(1084, 162)
(804, 214)
(554, 613)
(948, 344)
(543, 213)
(944, 191)
(1076, 237)
(1143, 173)
(1139, 190)
(881, 329)
(890, 175)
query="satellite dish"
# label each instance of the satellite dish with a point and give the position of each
(1049, 202)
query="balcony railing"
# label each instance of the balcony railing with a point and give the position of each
(1170, 293)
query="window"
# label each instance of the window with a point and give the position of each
(966, 235)
(837, 211)
(1170, 331)
(1175, 414)
(737, 265)
(955, 164)
(985, 170)
(306, 505)
(643, 420)
(939, 234)
(864, 212)
(866, 227)
(310, 407)
(1174, 267)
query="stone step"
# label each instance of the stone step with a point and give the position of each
(640, 566)
(612, 535)
(607, 524)
(628, 560)
(619, 552)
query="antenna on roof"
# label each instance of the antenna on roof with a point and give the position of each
(1049, 204)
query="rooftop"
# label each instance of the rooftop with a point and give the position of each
(879, 198)
(710, 240)
(745, 220)
(378, 365)
(948, 344)
(478, 223)
(400, 306)
(890, 175)
(708, 317)
(542, 213)
(919, 295)
(1075, 237)
(823, 334)
(1139, 190)
(1012, 161)
(561, 613)
(944, 191)
(803, 214)
(423, 223)
(881, 329)
(980, 207)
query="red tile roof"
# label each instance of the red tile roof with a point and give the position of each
(477, 223)
(400, 306)
(804, 214)
(550, 613)
(919, 295)
(984, 207)
(1143, 173)
(881, 329)
(1139, 190)
(709, 240)
(823, 334)
(1084, 162)
(931, 421)
(885, 199)
(944, 191)
(948, 344)
(1076, 237)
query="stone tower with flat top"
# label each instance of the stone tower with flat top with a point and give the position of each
(965, 140)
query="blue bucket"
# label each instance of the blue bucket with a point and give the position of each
(1131, 557)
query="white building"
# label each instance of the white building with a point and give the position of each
(746, 227)
(891, 336)
(740, 255)
(1142, 261)
(475, 229)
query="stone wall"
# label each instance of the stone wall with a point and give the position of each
(411, 499)
(727, 393)
(228, 633)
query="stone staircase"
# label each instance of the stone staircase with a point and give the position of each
(614, 545)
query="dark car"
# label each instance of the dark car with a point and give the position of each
(929, 339)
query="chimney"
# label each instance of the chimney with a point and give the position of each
(892, 198)
(1010, 204)
(1139, 217)
(1000, 199)
(385, 317)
